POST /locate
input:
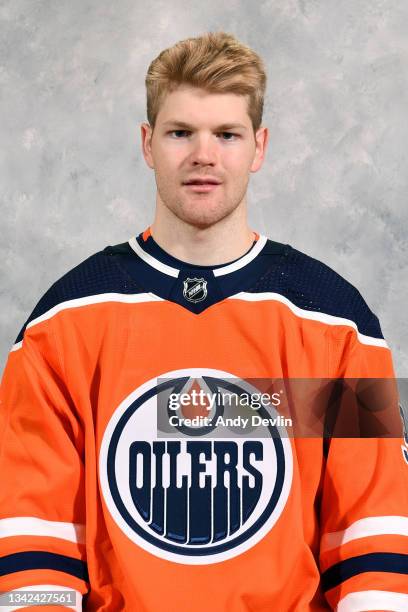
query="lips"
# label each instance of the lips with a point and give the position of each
(201, 187)
(204, 180)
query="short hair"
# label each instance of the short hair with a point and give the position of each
(216, 62)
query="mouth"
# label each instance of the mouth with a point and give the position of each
(201, 186)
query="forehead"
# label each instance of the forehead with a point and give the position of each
(196, 106)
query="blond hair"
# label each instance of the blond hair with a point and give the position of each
(216, 62)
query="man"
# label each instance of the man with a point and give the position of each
(116, 483)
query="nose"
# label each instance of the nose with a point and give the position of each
(204, 150)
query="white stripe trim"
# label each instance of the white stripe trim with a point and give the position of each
(244, 260)
(364, 601)
(232, 267)
(363, 528)
(33, 526)
(44, 587)
(249, 297)
(308, 314)
(152, 261)
(96, 299)
(16, 346)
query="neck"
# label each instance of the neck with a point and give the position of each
(224, 241)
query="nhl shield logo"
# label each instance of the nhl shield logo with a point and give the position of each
(195, 289)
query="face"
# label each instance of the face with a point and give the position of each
(208, 136)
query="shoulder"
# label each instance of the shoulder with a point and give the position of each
(96, 275)
(312, 285)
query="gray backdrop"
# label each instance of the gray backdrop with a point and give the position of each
(334, 182)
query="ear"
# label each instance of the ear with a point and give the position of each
(261, 142)
(146, 134)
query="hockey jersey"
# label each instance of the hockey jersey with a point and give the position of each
(111, 492)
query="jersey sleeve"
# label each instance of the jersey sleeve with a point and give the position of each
(364, 507)
(42, 495)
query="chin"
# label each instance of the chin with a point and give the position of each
(203, 219)
(200, 213)
(200, 222)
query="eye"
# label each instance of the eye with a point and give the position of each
(229, 134)
(178, 132)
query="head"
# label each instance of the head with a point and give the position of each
(204, 107)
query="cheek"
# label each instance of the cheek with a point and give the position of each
(238, 161)
(237, 173)
(168, 159)
(167, 170)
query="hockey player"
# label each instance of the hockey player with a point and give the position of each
(114, 498)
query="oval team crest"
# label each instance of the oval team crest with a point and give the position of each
(194, 499)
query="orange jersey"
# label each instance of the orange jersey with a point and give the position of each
(103, 494)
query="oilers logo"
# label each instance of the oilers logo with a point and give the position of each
(197, 495)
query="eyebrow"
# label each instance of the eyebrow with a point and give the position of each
(187, 126)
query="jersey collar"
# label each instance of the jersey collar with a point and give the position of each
(151, 253)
